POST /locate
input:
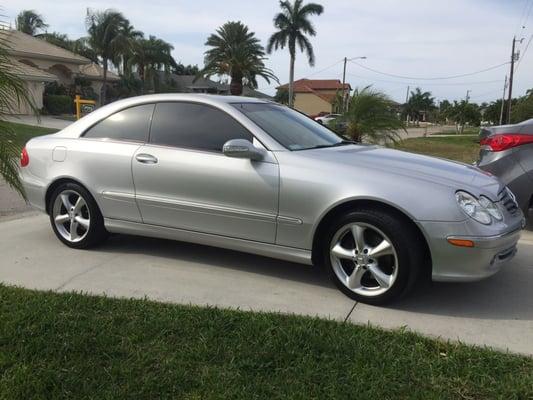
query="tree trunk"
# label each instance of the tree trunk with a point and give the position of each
(235, 86)
(104, 87)
(141, 75)
(291, 82)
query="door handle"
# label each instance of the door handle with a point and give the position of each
(146, 158)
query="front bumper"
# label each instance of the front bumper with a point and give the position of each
(462, 264)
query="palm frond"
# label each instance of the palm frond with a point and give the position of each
(371, 118)
(293, 25)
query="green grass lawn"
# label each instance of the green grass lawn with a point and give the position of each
(71, 346)
(460, 148)
(472, 130)
(26, 132)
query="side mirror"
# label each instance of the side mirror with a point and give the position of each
(242, 148)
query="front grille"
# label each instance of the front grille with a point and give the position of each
(507, 200)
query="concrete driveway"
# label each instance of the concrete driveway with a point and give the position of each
(497, 312)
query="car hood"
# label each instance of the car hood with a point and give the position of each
(432, 169)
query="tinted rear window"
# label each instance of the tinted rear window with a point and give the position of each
(131, 124)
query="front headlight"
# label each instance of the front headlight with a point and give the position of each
(491, 208)
(473, 208)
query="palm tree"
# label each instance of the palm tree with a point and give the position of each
(132, 36)
(235, 51)
(293, 25)
(28, 21)
(82, 47)
(419, 103)
(107, 38)
(150, 56)
(370, 117)
(13, 92)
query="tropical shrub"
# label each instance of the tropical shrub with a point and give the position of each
(370, 117)
(13, 92)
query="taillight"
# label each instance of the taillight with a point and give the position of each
(24, 158)
(504, 141)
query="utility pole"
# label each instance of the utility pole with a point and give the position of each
(406, 113)
(503, 100)
(343, 86)
(514, 57)
(467, 95)
(344, 96)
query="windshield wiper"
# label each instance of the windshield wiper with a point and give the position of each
(323, 146)
(343, 143)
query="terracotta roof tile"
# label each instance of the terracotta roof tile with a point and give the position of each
(310, 85)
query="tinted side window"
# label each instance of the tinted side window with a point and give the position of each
(194, 126)
(130, 124)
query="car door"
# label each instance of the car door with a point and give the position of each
(104, 155)
(183, 180)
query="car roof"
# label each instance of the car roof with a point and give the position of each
(223, 102)
(199, 96)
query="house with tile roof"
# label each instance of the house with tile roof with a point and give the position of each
(315, 96)
(38, 62)
(192, 84)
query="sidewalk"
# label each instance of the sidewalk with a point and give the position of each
(46, 121)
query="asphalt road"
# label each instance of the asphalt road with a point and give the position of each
(497, 312)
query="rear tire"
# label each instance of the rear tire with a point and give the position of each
(75, 217)
(372, 256)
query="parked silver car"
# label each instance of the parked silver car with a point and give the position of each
(258, 177)
(507, 152)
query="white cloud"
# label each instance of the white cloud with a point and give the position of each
(411, 37)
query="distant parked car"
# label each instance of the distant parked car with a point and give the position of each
(326, 119)
(507, 152)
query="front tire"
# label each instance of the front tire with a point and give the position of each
(75, 217)
(373, 256)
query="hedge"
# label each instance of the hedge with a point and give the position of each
(58, 104)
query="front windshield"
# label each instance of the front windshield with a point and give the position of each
(291, 129)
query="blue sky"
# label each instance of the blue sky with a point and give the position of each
(413, 38)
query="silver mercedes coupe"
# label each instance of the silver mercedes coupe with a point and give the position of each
(258, 177)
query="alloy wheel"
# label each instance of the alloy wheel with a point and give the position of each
(364, 259)
(71, 216)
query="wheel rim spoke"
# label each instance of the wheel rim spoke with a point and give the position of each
(80, 203)
(73, 229)
(82, 221)
(354, 279)
(358, 236)
(342, 252)
(66, 201)
(382, 249)
(61, 219)
(382, 278)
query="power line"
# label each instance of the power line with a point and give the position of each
(308, 76)
(430, 79)
(522, 21)
(323, 69)
(403, 83)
